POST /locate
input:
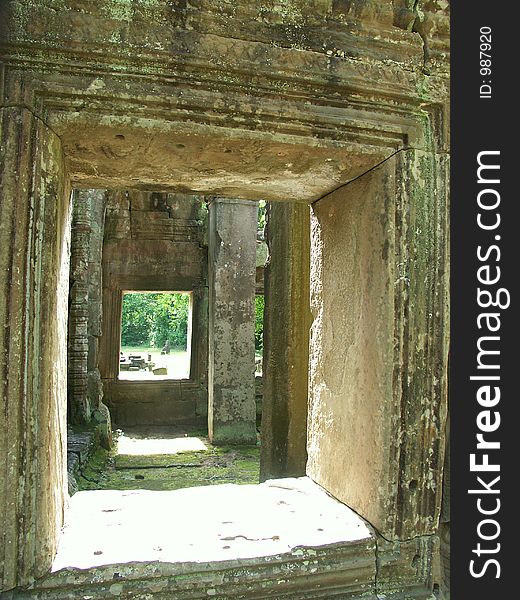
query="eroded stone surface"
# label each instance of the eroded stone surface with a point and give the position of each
(34, 267)
(113, 527)
(277, 101)
(378, 297)
(287, 322)
(232, 269)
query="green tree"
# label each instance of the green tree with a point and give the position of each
(262, 207)
(137, 319)
(172, 316)
(259, 323)
(151, 319)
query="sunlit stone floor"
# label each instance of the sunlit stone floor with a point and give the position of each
(203, 524)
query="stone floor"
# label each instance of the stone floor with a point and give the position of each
(145, 503)
(168, 458)
(203, 524)
(151, 528)
(282, 539)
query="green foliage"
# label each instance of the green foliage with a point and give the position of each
(262, 206)
(152, 319)
(259, 323)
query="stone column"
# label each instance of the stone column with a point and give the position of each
(34, 273)
(232, 266)
(116, 228)
(95, 284)
(100, 412)
(85, 390)
(287, 321)
(79, 405)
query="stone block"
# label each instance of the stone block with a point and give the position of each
(377, 394)
(287, 320)
(147, 201)
(148, 225)
(232, 267)
(118, 227)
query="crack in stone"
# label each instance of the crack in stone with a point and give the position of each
(183, 466)
(37, 117)
(235, 537)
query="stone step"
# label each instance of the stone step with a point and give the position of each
(328, 572)
(281, 539)
(80, 445)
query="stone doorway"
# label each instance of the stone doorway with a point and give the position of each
(155, 335)
(328, 220)
(331, 216)
(144, 242)
(352, 121)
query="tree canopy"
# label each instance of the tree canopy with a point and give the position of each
(152, 318)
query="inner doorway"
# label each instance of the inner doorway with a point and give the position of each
(155, 336)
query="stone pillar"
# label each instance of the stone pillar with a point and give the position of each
(100, 412)
(117, 227)
(287, 321)
(78, 403)
(95, 283)
(34, 266)
(85, 390)
(231, 271)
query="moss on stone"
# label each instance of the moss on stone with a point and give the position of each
(93, 474)
(160, 472)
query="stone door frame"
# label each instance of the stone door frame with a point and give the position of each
(68, 121)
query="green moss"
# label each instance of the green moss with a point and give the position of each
(216, 465)
(158, 460)
(94, 473)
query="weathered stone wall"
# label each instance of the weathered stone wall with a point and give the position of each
(232, 273)
(34, 271)
(286, 101)
(154, 242)
(287, 321)
(351, 398)
(378, 366)
(379, 344)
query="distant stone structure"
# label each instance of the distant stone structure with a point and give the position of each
(155, 242)
(335, 112)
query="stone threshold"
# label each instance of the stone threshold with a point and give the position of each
(284, 538)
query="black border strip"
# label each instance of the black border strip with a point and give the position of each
(483, 120)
